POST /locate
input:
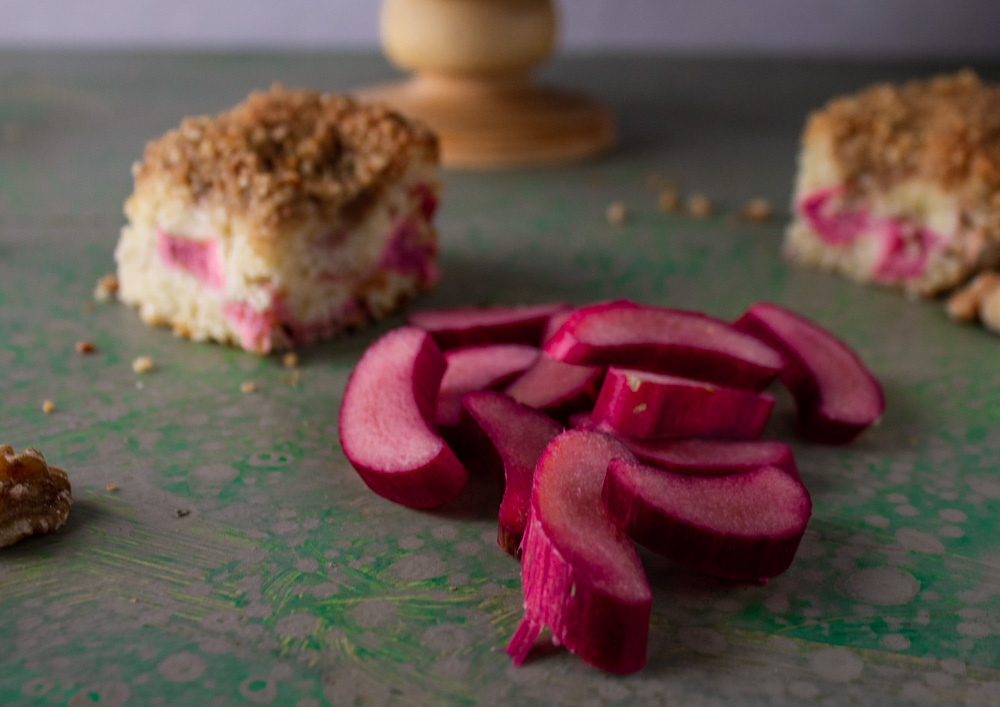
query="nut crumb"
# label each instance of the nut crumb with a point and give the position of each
(247, 387)
(37, 497)
(111, 487)
(48, 406)
(616, 213)
(182, 512)
(699, 206)
(756, 210)
(290, 360)
(669, 201)
(106, 288)
(142, 364)
(85, 347)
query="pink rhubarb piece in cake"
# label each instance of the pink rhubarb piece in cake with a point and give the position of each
(287, 219)
(900, 185)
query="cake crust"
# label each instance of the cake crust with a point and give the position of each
(286, 156)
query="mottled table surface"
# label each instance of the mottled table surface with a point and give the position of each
(239, 559)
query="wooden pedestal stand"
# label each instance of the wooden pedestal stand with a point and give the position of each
(471, 60)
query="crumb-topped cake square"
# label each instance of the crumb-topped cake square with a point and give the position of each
(287, 219)
(900, 185)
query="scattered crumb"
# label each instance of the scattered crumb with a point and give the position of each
(452, 589)
(111, 488)
(616, 213)
(247, 387)
(48, 406)
(669, 201)
(182, 512)
(106, 288)
(699, 206)
(142, 364)
(290, 360)
(132, 600)
(292, 377)
(85, 347)
(756, 210)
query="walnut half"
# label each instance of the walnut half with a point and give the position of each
(34, 497)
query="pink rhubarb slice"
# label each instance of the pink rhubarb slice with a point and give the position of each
(467, 326)
(477, 368)
(742, 526)
(665, 340)
(712, 457)
(510, 438)
(384, 422)
(558, 389)
(580, 574)
(652, 405)
(836, 396)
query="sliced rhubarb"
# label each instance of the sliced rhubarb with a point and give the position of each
(743, 526)
(384, 422)
(580, 574)
(712, 457)
(664, 340)
(477, 368)
(836, 396)
(653, 405)
(512, 437)
(453, 328)
(558, 389)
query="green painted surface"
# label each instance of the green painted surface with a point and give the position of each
(289, 583)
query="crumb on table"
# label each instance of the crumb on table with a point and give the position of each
(290, 360)
(106, 288)
(85, 346)
(48, 406)
(668, 200)
(757, 210)
(699, 206)
(616, 213)
(142, 364)
(247, 387)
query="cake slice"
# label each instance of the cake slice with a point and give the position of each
(287, 219)
(900, 185)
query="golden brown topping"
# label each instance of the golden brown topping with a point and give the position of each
(34, 497)
(142, 364)
(946, 129)
(756, 211)
(284, 155)
(699, 206)
(615, 213)
(106, 288)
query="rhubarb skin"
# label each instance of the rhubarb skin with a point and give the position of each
(508, 438)
(663, 340)
(652, 405)
(580, 575)
(385, 422)
(713, 457)
(742, 526)
(836, 396)
(469, 326)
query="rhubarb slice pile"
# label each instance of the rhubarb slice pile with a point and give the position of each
(667, 406)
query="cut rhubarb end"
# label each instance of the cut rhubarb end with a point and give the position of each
(652, 405)
(477, 368)
(667, 341)
(523, 639)
(580, 574)
(453, 328)
(558, 389)
(837, 397)
(712, 457)
(384, 422)
(743, 526)
(511, 438)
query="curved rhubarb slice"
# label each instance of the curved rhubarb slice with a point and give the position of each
(477, 368)
(743, 526)
(511, 437)
(580, 574)
(836, 396)
(652, 405)
(712, 457)
(466, 326)
(384, 422)
(664, 340)
(558, 389)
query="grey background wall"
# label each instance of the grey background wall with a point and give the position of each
(895, 28)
